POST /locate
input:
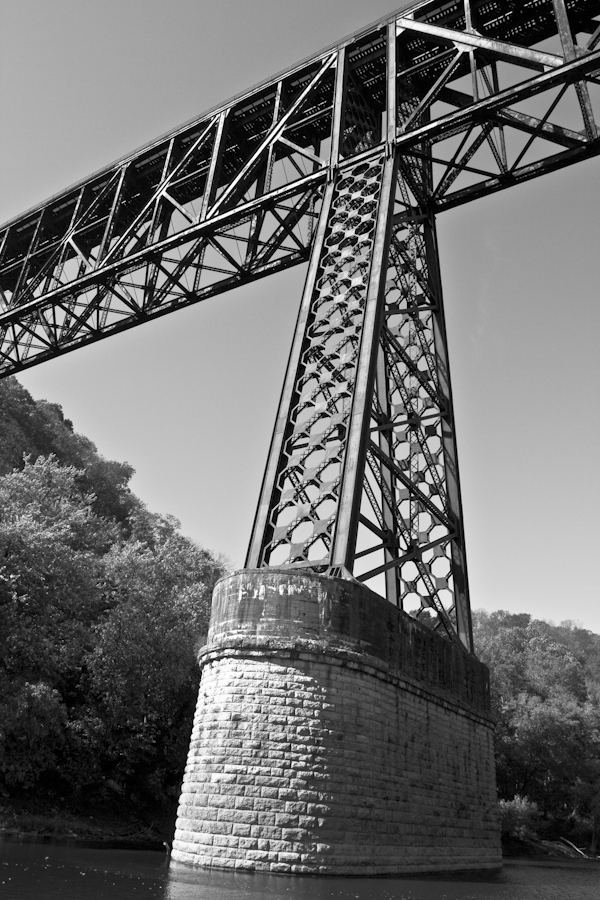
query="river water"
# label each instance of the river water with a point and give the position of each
(49, 872)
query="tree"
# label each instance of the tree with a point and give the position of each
(99, 625)
(143, 675)
(545, 699)
(51, 545)
(33, 429)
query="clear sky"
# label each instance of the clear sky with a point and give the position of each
(189, 400)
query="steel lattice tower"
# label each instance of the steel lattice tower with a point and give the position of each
(343, 162)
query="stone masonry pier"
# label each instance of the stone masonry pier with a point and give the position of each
(334, 734)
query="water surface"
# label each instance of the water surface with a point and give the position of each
(48, 872)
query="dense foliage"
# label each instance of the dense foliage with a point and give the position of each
(102, 606)
(546, 699)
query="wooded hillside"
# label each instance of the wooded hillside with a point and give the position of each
(546, 699)
(102, 607)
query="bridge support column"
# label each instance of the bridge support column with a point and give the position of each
(334, 734)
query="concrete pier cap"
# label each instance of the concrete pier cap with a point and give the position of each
(334, 734)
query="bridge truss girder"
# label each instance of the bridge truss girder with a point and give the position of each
(441, 103)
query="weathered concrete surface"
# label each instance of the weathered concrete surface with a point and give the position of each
(334, 734)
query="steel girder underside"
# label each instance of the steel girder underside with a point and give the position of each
(344, 162)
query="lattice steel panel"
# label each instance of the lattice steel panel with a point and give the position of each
(411, 525)
(304, 501)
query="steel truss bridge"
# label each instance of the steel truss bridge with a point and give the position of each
(343, 162)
